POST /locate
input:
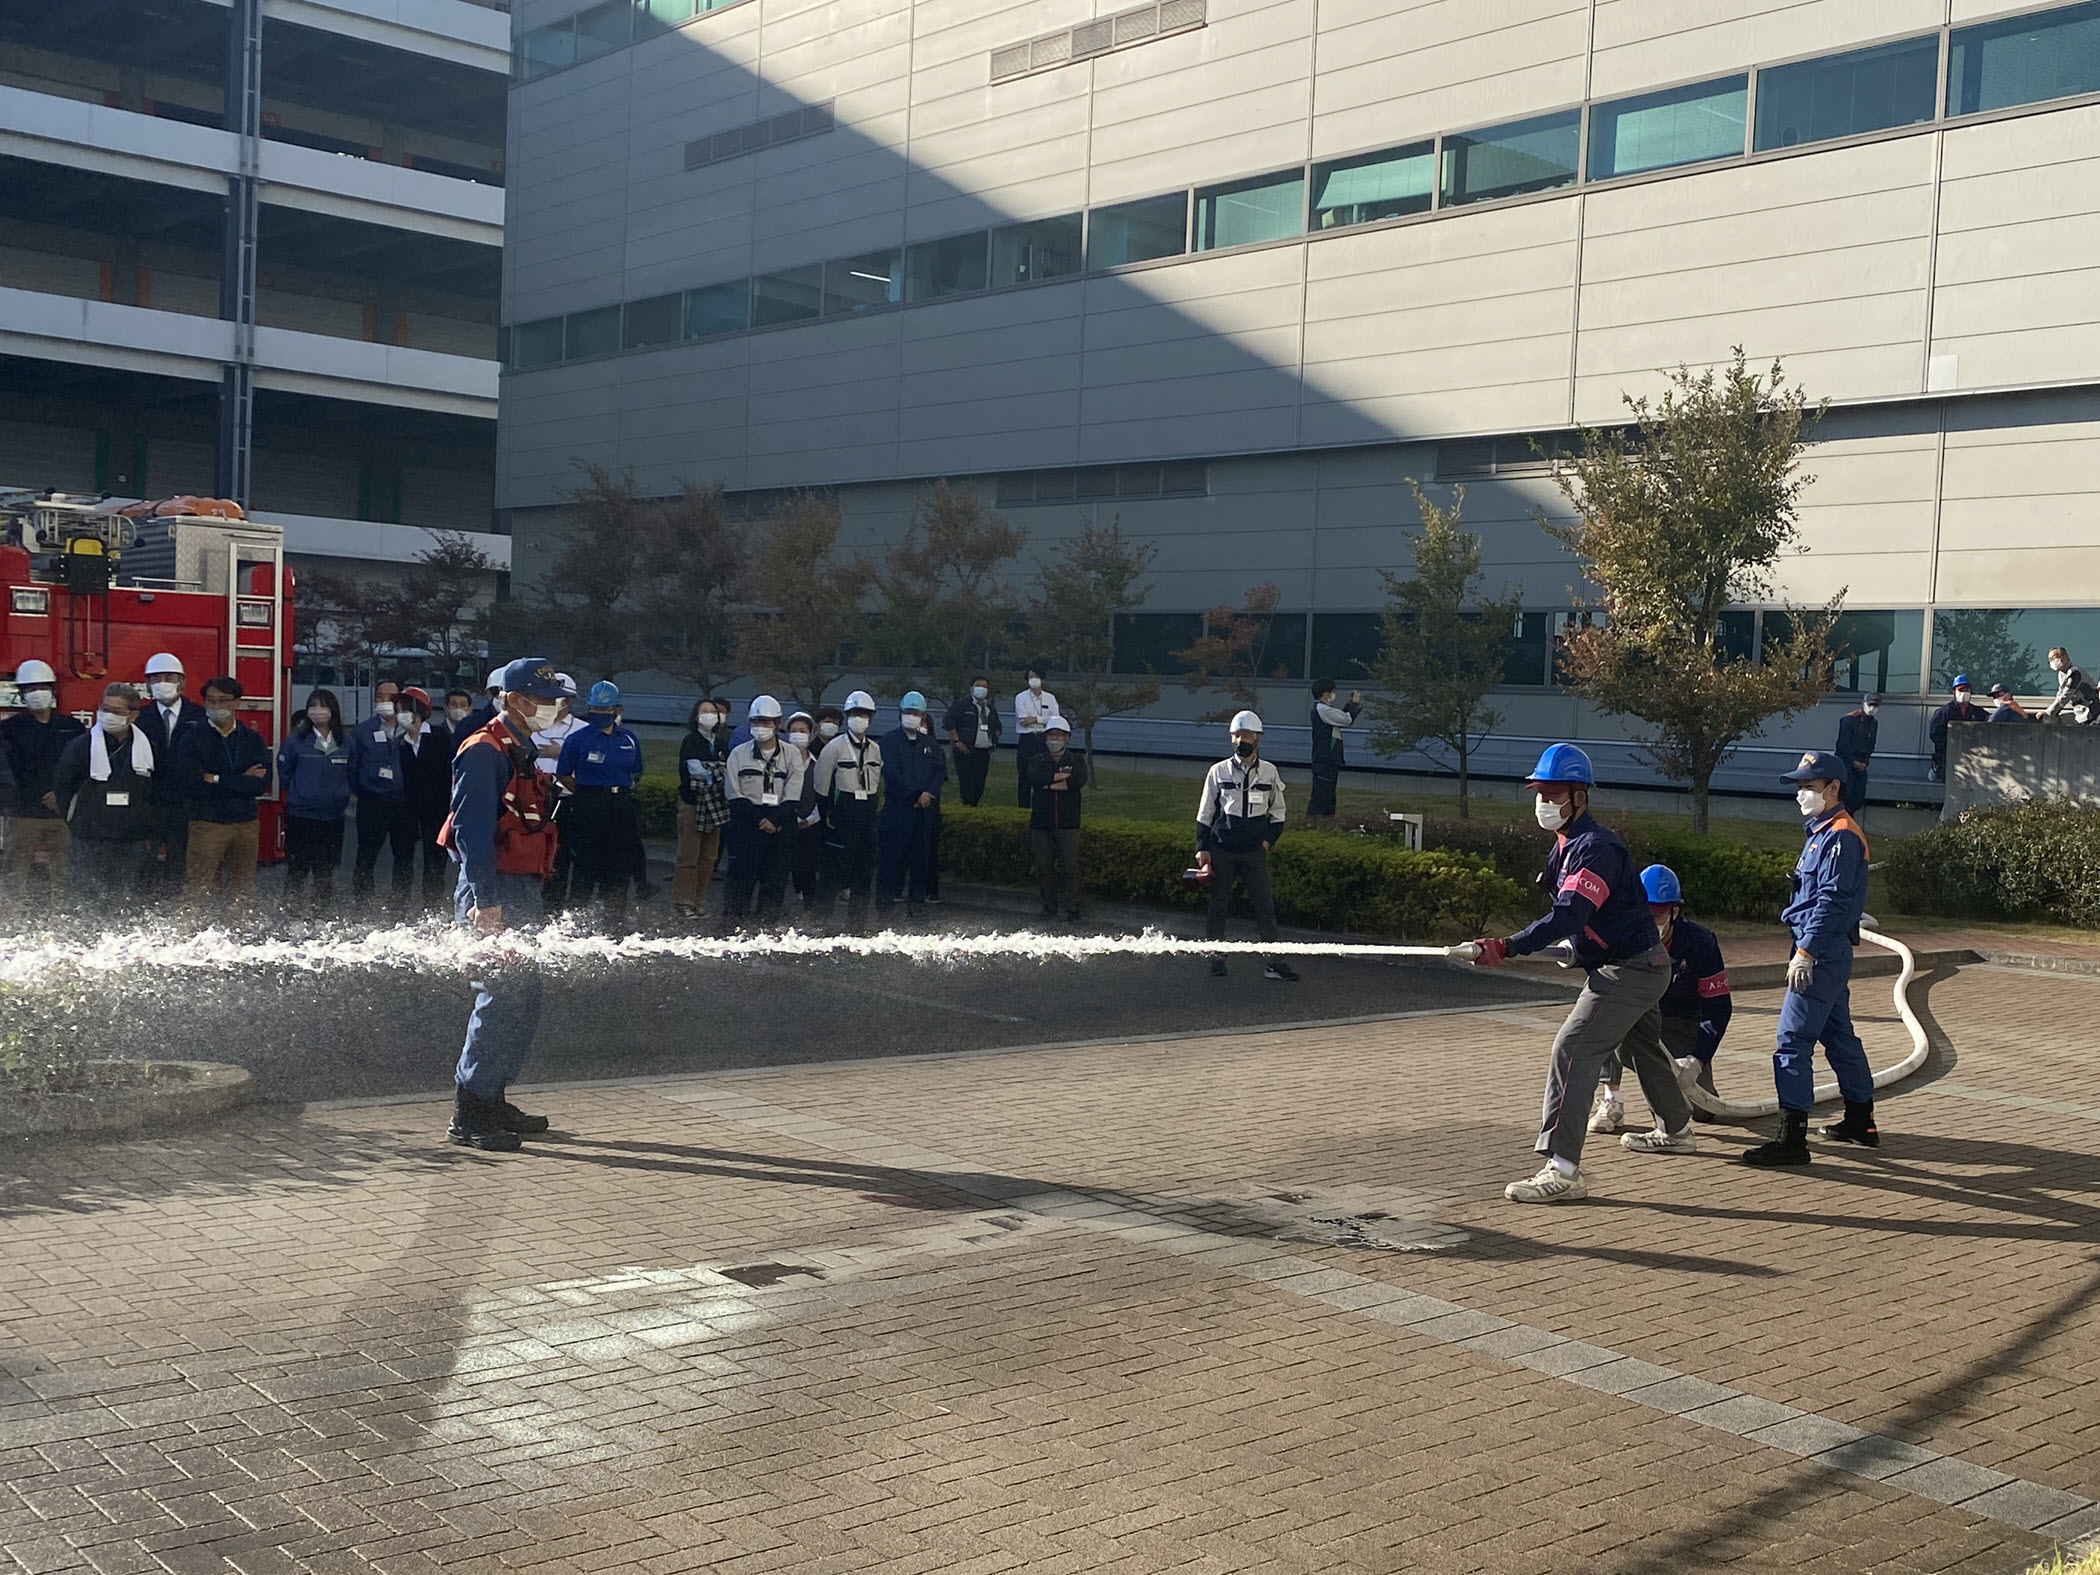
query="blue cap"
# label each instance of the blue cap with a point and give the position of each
(604, 695)
(1564, 763)
(1818, 765)
(1961, 681)
(532, 675)
(1659, 881)
(913, 701)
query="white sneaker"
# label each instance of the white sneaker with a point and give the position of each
(1659, 1141)
(1687, 1070)
(1610, 1114)
(1548, 1186)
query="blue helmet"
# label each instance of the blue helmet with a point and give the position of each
(913, 701)
(1659, 881)
(604, 695)
(1563, 763)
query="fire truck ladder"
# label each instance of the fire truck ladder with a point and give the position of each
(253, 621)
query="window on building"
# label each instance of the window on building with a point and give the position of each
(1039, 249)
(1146, 642)
(1267, 208)
(1530, 644)
(1686, 125)
(657, 321)
(1524, 454)
(536, 344)
(1093, 483)
(652, 17)
(1375, 186)
(604, 28)
(718, 309)
(1137, 231)
(1280, 654)
(1346, 645)
(546, 49)
(1847, 95)
(596, 332)
(1879, 651)
(2010, 645)
(787, 297)
(1507, 161)
(1181, 478)
(853, 284)
(2024, 60)
(949, 267)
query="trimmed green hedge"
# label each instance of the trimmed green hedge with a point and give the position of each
(2038, 862)
(656, 796)
(1721, 879)
(1321, 880)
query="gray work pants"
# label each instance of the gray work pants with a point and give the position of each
(1252, 871)
(1617, 1010)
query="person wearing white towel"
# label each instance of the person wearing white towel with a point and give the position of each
(104, 782)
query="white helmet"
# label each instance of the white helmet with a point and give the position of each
(1246, 722)
(163, 662)
(859, 700)
(1056, 724)
(35, 672)
(495, 679)
(567, 683)
(764, 708)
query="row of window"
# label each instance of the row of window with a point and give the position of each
(1991, 66)
(1104, 34)
(1176, 478)
(611, 25)
(811, 120)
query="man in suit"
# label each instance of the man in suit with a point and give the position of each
(166, 711)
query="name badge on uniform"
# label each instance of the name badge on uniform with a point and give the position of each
(769, 799)
(862, 793)
(117, 800)
(386, 773)
(1257, 801)
(596, 757)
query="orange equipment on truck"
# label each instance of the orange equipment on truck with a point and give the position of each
(95, 586)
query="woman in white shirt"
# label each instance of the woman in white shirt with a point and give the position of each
(1033, 707)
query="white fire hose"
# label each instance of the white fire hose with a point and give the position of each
(1750, 1109)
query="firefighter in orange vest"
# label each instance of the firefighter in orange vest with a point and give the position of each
(501, 834)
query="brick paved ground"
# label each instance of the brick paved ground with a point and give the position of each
(1125, 1308)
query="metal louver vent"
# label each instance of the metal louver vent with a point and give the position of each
(1125, 28)
(809, 121)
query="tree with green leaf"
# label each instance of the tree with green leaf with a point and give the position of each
(689, 576)
(1080, 592)
(1444, 645)
(805, 598)
(1236, 653)
(942, 610)
(1677, 518)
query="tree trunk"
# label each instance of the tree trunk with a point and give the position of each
(1700, 792)
(1465, 811)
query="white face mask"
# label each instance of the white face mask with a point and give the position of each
(799, 740)
(219, 715)
(541, 717)
(111, 722)
(1870, 708)
(827, 730)
(167, 690)
(385, 709)
(1551, 816)
(913, 722)
(1055, 743)
(1035, 685)
(39, 700)
(456, 713)
(2056, 667)
(1961, 697)
(856, 725)
(977, 692)
(1811, 801)
(318, 715)
(762, 731)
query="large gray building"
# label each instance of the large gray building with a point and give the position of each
(1232, 271)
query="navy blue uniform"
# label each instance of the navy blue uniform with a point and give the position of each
(1857, 733)
(1829, 895)
(1598, 903)
(507, 996)
(912, 763)
(386, 817)
(1936, 730)
(1698, 992)
(601, 826)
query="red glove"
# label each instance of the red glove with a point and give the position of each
(1493, 952)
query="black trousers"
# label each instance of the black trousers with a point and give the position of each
(313, 849)
(168, 861)
(1324, 781)
(600, 827)
(759, 865)
(384, 823)
(1057, 852)
(102, 878)
(970, 769)
(848, 862)
(1855, 790)
(1252, 872)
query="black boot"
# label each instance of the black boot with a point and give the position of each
(1857, 1127)
(1789, 1148)
(475, 1125)
(512, 1119)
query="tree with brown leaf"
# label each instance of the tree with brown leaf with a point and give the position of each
(805, 599)
(1234, 653)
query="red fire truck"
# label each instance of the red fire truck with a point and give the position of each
(95, 586)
